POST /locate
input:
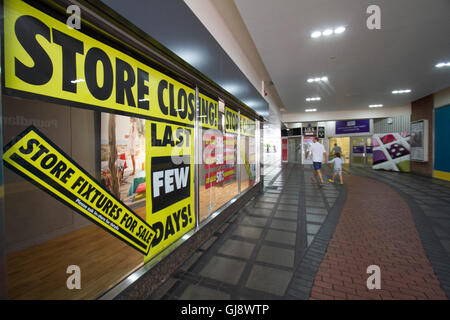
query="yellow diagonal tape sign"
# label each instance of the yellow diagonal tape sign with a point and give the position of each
(36, 158)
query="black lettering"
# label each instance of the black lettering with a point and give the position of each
(169, 228)
(168, 137)
(182, 103)
(41, 151)
(133, 225)
(142, 89)
(93, 56)
(158, 227)
(176, 217)
(49, 161)
(58, 169)
(96, 194)
(101, 201)
(173, 111)
(77, 182)
(154, 133)
(184, 218)
(107, 206)
(124, 85)
(27, 28)
(211, 114)
(30, 144)
(70, 47)
(113, 210)
(191, 101)
(161, 87)
(87, 193)
(67, 175)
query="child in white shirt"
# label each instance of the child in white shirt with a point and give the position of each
(337, 167)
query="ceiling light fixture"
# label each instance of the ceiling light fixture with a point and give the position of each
(401, 91)
(313, 99)
(317, 79)
(375, 106)
(339, 30)
(328, 32)
(310, 110)
(316, 34)
(443, 64)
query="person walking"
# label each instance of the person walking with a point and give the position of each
(337, 149)
(319, 155)
(337, 170)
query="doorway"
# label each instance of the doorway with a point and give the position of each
(361, 151)
(294, 149)
(344, 144)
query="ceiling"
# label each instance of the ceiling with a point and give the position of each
(176, 27)
(363, 66)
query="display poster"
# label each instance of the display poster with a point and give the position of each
(231, 121)
(391, 151)
(247, 126)
(284, 149)
(219, 152)
(170, 182)
(46, 59)
(33, 156)
(352, 126)
(419, 140)
(123, 157)
(209, 114)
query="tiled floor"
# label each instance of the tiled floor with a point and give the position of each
(274, 247)
(262, 246)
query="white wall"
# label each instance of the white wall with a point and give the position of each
(442, 98)
(346, 114)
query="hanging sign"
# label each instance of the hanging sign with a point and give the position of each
(33, 156)
(46, 59)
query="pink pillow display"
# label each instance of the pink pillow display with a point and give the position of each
(141, 188)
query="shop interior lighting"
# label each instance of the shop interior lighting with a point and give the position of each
(313, 99)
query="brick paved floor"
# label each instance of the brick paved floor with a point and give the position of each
(376, 227)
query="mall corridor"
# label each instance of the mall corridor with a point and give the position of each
(300, 241)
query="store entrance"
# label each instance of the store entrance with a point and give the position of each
(343, 144)
(294, 149)
(361, 155)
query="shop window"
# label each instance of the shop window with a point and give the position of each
(218, 176)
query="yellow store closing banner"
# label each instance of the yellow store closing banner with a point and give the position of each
(45, 58)
(170, 182)
(37, 159)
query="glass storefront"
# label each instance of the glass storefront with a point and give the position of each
(101, 149)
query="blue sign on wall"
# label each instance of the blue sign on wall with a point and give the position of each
(352, 126)
(442, 139)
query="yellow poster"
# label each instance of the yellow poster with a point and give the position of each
(208, 112)
(247, 126)
(37, 159)
(170, 182)
(46, 58)
(231, 121)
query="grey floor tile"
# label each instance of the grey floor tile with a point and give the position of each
(315, 218)
(285, 237)
(276, 255)
(196, 292)
(312, 228)
(286, 215)
(237, 248)
(316, 210)
(223, 269)
(208, 243)
(287, 207)
(259, 212)
(269, 280)
(284, 225)
(254, 221)
(189, 262)
(248, 232)
(264, 205)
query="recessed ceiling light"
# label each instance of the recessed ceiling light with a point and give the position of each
(443, 64)
(313, 99)
(316, 34)
(375, 106)
(401, 91)
(327, 32)
(339, 30)
(317, 79)
(310, 110)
